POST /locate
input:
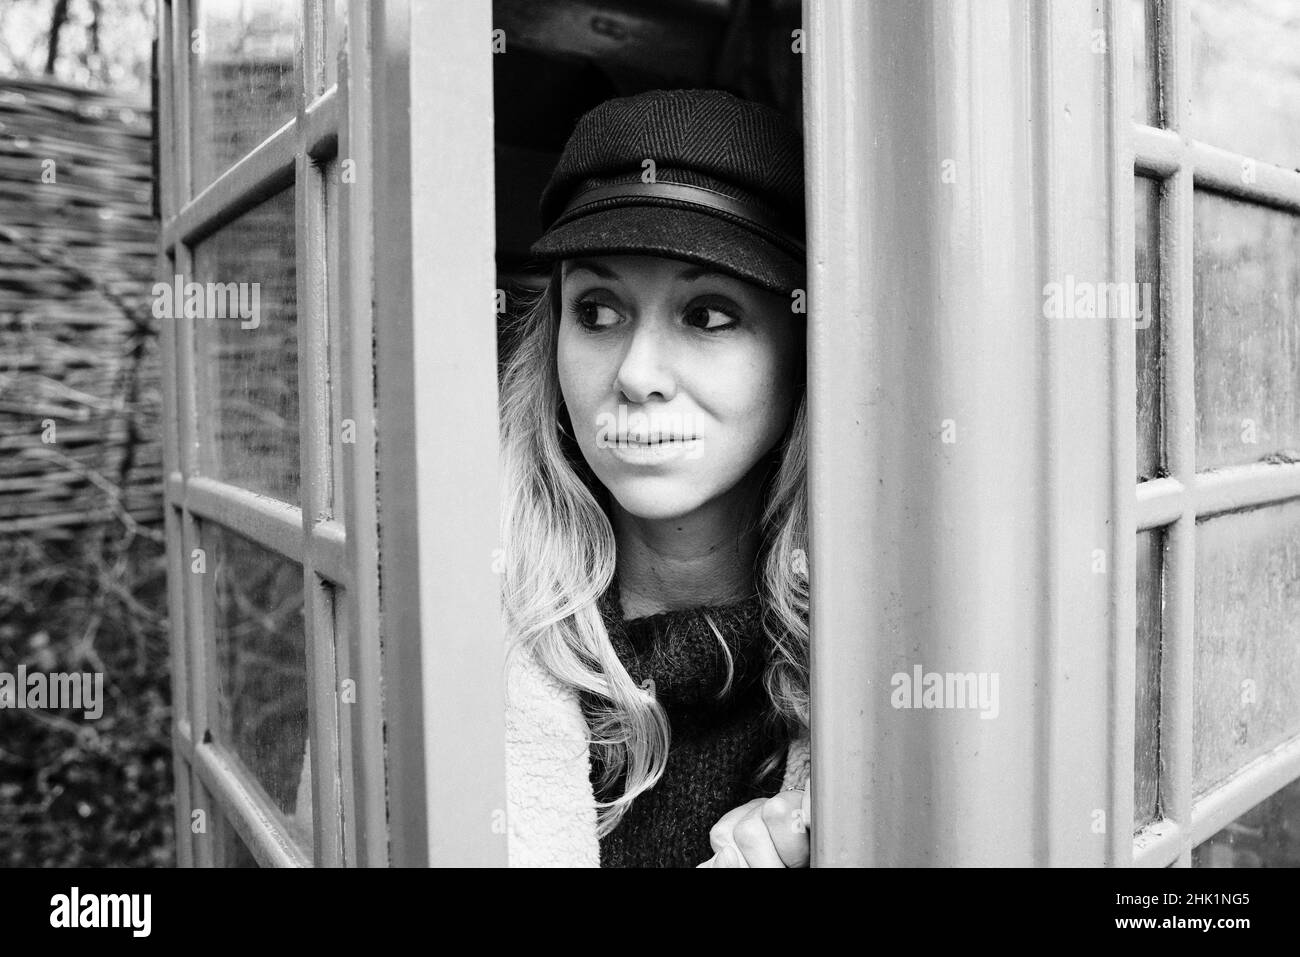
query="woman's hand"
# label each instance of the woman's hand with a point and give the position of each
(766, 832)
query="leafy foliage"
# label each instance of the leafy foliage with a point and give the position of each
(78, 792)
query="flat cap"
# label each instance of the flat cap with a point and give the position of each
(696, 175)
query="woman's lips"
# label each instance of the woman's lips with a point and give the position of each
(636, 452)
(646, 440)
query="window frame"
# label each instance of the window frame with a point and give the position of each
(899, 278)
(209, 777)
(431, 212)
(385, 281)
(1174, 503)
(437, 690)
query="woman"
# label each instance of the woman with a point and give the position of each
(654, 513)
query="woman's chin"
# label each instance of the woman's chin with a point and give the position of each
(655, 499)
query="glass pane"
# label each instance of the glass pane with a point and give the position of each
(261, 669)
(1246, 311)
(1144, 64)
(1246, 77)
(1146, 226)
(1268, 835)
(1146, 763)
(231, 851)
(335, 14)
(248, 368)
(1247, 662)
(244, 79)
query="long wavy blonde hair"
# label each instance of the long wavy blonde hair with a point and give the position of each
(560, 558)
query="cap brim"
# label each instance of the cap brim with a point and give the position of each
(676, 233)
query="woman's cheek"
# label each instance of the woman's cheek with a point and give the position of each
(573, 388)
(755, 404)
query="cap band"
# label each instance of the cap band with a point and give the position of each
(751, 215)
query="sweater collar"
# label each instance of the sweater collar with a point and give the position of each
(681, 654)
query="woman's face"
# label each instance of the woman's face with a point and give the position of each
(678, 379)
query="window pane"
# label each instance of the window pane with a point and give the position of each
(243, 77)
(336, 18)
(1146, 214)
(231, 851)
(1144, 64)
(1246, 313)
(261, 669)
(1146, 763)
(1246, 77)
(1268, 835)
(247, 369)
(1247, 662)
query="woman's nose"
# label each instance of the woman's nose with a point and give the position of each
(646, 369)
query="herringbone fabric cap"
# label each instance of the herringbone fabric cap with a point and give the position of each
(724, 186)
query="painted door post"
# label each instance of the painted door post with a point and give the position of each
(968, 516)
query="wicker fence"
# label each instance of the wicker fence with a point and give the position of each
(80, 404)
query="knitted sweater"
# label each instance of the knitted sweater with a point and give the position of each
(717, 743)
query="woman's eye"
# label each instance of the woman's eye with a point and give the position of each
(710, 317)
(592, 314)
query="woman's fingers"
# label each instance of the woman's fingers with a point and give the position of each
(754, 839)
(720, 835)
(765, 832)
(787, 824)
(730, 857)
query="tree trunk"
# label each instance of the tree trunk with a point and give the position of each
(57, 20)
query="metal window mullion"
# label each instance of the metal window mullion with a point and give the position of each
(1178, 631)
(199, 622)
(181, 25)
(313, 404)
(187, 397)
(187, 457)
(274, 525)
(328, 548)
(184, 803)
(1159, 502)
(165, 113)
(1246, 486)
(193, 456)
(1158, 844)
(312, 73)
(365, 790)
(258, 175)
(1156, 153)
(1151, 42)
(321, 123)
(1245, 177)
(171, 420)
(173, 523)
(1177, 704)
(1252, 784)
(257, 823)
(329, 539)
